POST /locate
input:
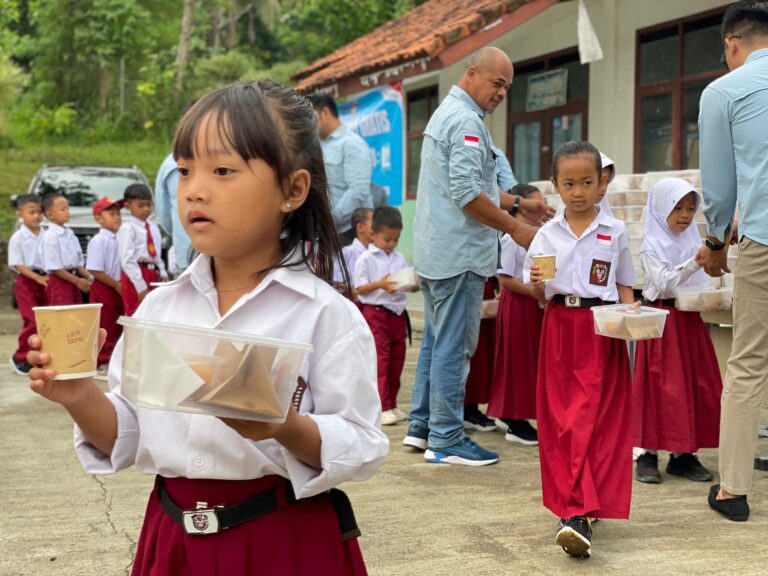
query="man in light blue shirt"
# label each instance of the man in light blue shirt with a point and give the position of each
(166, 207)
(455, 250)
(347, 165)
(733, 129)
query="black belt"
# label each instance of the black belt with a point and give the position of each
(39, 272)
(210, 520)
(148, 265)
(663, 302)
(578, 302)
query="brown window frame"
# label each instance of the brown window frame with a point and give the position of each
(432, 92)
(544, 117)
(673, 87)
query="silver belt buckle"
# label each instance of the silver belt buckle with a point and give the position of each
(572, 302)
(202, 520)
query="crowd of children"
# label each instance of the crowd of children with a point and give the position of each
(539, 360)
(121, 262)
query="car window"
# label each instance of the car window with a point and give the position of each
(84, 187)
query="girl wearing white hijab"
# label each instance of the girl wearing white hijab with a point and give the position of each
(677, 383)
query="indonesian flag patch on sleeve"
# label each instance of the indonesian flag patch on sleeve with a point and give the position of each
(473, 141)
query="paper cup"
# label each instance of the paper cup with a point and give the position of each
(546, 263)
(70, 334)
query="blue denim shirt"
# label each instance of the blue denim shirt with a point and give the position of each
(166, 207)
(504, 175)
(733, 128)
(457, 163)
(348, 167)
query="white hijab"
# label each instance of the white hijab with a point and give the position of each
(603, 204)
(670, 247)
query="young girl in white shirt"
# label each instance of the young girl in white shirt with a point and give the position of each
(583, 391)
(677, 385)
(253, 199)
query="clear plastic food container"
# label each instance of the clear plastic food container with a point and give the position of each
(405, 278)
(628, 322)
(204, 371)
(704, 299)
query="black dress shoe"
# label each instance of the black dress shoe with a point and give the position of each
(647, 468)
(735, 509)
(688, 465)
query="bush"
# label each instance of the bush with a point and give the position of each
(220, 70)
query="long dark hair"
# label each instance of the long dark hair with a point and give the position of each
(267, 121)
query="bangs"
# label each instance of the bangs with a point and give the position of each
(243, 125)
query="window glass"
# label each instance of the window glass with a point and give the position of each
(525, 164)
(418, 111)
(658, 57)
(414, 164)
(691, 96)
(656, 149)
(702, 49)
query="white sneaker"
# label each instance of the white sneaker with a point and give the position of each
(388, 418)
(400, 414)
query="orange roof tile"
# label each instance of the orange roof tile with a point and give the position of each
(423, 32)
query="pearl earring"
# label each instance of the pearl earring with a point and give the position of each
(288, 204)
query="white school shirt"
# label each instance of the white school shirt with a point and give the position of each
(24, 249)
(341, 397)
(132, 245)
(60, 249)
(512, 258)
(373, 265)
(589, 266)
(350, 253)
(661, 281)
(103, 254)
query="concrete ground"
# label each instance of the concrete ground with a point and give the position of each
(416, 518)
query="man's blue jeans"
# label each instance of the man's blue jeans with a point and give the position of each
(451, 328)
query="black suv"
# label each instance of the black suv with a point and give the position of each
(84, 185)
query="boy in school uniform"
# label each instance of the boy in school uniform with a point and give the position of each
(103, 263)
(29, 286)
(138, 243)
(362, 219)
(62, 256)
(383, 306)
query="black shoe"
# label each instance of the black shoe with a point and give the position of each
(476, 420)
(735, 509)
(647, 468)
(688, 465)
(521, 431)
(575, 537)
(21, 368)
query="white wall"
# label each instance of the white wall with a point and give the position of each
(611, 81)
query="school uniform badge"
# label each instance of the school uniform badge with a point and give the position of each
(599, 272)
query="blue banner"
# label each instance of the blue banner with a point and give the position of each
(377, 116)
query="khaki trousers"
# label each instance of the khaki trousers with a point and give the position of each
(747, 375)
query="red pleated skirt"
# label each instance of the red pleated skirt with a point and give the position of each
(518, 333)
(481, 364)
(677, 387)
(294, 540)
(584, 417)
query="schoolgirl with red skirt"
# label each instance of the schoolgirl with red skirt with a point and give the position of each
(583, 386)
(677, 384)
(240, 497)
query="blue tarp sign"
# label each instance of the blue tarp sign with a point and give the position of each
(377, 116)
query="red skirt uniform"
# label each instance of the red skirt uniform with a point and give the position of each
(518, 333)
(59, 292)
(293, 540)
(111, 310)
(28, 294)
(130, 296)
(584, 417)
(677, 387)
(481, 364)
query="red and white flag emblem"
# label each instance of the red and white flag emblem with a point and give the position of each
(604, 240)
(473, 141)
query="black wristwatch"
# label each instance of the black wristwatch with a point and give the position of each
(516, 205)
(714, 246)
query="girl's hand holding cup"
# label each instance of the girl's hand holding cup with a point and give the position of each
(41, 376)
(537, 276)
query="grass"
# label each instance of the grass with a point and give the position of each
(22, 160)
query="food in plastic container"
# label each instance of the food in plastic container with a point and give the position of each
(405, 278)
(205, 371)
(703, 299)
(489, 309)
(629, 322)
